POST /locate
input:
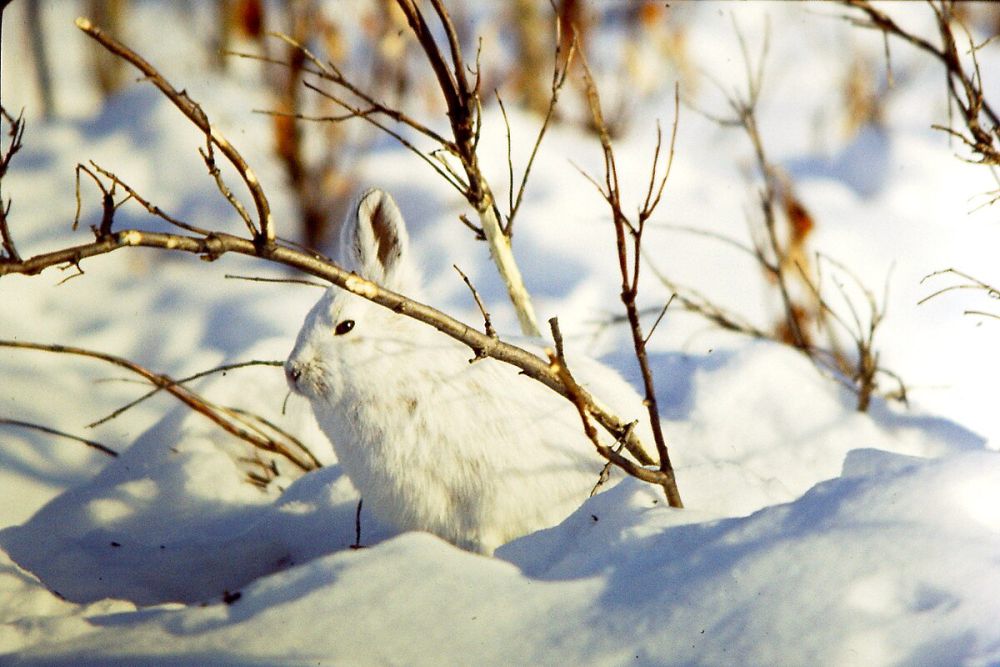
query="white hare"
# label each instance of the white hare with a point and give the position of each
(477, 454)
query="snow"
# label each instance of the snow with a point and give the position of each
(812, 534)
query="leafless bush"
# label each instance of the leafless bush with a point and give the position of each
(628, 242)
(263, 242)
(255, 431)
(808, 321)
(454, 158)
(981, 134)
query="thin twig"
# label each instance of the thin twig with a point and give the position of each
(510, 162)
(107, 198)
(184, 380)
(487, 323)
(974, 283)
(663, 311)
(716, 236)
(208, 156)
(260, 279)
(630, 276)
(559, 76)
(135, 196)
(480, 234)
(222, 417)
(197, 116)
(576, 393)
(330, 73)
(51, 431)
(981, 313)
(403, 141)
(16, 134)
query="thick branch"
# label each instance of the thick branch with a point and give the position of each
(214, 246)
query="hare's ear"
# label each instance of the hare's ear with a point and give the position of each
(374, 242)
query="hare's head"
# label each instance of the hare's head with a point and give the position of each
(344, 331)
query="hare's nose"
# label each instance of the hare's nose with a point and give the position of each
(292, 374)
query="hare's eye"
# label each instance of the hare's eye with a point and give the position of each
(343, 327)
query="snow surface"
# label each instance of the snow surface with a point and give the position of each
(813, 534)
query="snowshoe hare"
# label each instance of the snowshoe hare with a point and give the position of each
(474, 453)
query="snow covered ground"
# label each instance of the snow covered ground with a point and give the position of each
(813, 534)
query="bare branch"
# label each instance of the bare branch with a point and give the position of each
(208, 156)
(695, 231)
(453, 84)
(510, 162)
(663, 311)
(652, 201)
(477, 230)
(744, 109)
(464, 116)
(578, 396)
(135, 196)
(225, 418)
(197, 116)
(329, 72)
(965, 87)
(107, 200)
(695, 302)
(16, 134)
(982, 313)
(974, 283)
(291, 281)
(217, 244)
(630, 276)
(865, 368)
(354, 112)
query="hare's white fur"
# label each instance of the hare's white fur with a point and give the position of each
(474, 453)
